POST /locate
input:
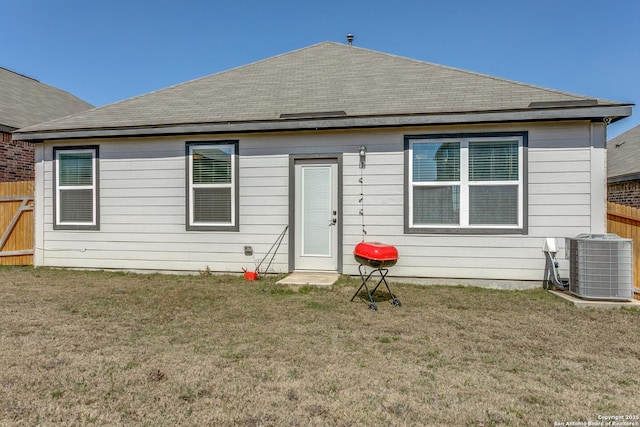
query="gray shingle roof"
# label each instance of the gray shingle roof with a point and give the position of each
(623, 156)
(326, 77)
(26, 102)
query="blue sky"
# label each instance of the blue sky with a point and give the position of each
(104, 51)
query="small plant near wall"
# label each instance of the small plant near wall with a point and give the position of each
(206, 271)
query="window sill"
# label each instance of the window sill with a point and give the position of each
(88, 227)
(231, 228)
(464, 231)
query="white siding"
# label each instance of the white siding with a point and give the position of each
(143, 193)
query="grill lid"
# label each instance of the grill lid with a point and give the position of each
(376, 251)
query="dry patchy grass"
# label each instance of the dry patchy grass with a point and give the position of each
(97, 348)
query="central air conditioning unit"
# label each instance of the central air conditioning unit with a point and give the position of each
(600, 266)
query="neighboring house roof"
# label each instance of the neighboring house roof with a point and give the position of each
(26, 102)
(327, 85)
(623, 156)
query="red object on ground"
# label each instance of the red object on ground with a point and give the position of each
(375, 254)
(250, 275)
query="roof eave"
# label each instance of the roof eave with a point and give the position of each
(611, 113)
(7, 129)
(618, 179)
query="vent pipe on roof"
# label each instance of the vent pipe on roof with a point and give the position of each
(350, 39)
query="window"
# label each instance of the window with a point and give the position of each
(212, 191)
(76, 188)
(465, 183)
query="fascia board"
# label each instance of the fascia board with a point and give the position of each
(614, 112)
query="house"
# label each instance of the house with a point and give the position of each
(623, 168)
(26, 102)
(464, 173)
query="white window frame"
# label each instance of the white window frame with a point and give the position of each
(464, 185)
(58, 223)
(233, 185)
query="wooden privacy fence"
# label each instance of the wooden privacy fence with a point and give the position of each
(16, 223)
(625, 222)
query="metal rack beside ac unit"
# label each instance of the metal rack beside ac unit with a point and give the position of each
(600, 266)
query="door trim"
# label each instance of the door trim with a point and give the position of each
(293, 158)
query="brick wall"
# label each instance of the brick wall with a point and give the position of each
(625, 193)
(16, 159)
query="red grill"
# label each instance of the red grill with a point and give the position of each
(377, 256)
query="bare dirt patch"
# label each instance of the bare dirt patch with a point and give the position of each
(82, 348)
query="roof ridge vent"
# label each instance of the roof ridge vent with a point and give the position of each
(572, 103)
(314, 114)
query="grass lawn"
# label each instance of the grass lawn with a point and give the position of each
(98, 348)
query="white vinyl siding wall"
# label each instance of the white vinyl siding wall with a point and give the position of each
(143, 212)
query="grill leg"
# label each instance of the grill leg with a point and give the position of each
(383, 279)
(364, 284)
(383, 274)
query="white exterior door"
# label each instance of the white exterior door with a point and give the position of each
(316, 215)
